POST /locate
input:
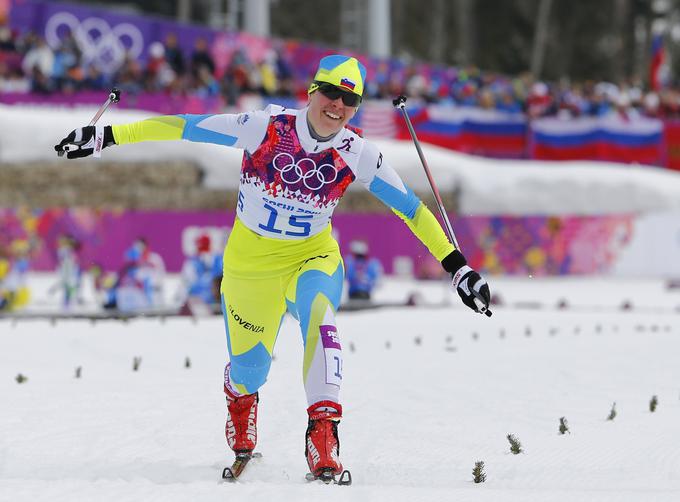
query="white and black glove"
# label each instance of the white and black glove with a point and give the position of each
(86, 141)
(471, 287)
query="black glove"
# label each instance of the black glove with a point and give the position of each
(471, 287)
(86, 141)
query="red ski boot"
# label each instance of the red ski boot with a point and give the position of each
(241, 428)
(322, 447)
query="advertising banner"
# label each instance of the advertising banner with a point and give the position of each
(506, 245)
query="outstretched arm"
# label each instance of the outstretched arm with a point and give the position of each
(244, 130)
(383, 182)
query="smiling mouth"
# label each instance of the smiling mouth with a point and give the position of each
(331, 115)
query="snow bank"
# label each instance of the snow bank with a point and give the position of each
(486, 186)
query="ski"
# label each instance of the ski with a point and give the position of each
(327, 477)
(232, 473)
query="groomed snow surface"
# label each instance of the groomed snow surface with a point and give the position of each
(427, 392)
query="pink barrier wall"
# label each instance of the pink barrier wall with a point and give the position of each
(503, 245)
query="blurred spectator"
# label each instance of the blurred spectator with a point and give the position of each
(152, 270)
(268, 80)
(201, 57)
(12, 80)
(139, 284)
(129, 77)
(104, 285)
(198, 293)
(650, 105)
(237, 77)
(6, 40)
(362, 271)
(486, 100)
(205, 84)
(6, 294)
(159, 74)
(38, 64)
(14, 266)
(133, 292)
(173, 54)
(68, 271)
(508, 103)
(284, 74)
(539, 101)
(94, 80)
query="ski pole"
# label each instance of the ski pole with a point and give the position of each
(114, 97)
(400, 102)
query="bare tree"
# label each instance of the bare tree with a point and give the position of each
(183, 11)
(466, 31)
(437, 35)
(620, 16)
(540, 37)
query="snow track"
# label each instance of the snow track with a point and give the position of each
(417, 414)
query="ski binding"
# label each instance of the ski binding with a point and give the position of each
(327, 476)
(232, 473)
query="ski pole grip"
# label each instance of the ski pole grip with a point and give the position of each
(114, 95)
(399, 101)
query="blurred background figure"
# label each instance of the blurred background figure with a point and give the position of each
(152, 270)
(69, 271)
(140, 282)
(132, 290)
(201, 272)
(104, 286)
(14, 267)
(363, 272)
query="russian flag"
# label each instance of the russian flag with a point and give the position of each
(657, 62)
(489, 133)
(606, 139)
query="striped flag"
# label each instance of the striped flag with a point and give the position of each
(378, 119)
(657, 63)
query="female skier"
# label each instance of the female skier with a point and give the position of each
(281, 256)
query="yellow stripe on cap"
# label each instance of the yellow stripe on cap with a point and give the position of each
(341, 71)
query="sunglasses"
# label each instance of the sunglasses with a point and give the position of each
(332, 92)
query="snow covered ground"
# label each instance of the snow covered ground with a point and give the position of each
(427, 391)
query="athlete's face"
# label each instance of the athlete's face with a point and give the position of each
(328, 116)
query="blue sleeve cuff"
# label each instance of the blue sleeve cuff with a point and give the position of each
(193, 132)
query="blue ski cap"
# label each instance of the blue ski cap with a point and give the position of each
(344, 72)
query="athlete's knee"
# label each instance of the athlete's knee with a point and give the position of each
(245, 379)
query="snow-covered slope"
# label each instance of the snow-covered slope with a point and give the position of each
(417, 415)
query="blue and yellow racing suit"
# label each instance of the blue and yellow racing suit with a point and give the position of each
(281, 256)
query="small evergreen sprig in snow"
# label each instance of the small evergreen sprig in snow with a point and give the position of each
(564, 427)
(653, 404)
(479, 476)
(612, 412)
(515, 445)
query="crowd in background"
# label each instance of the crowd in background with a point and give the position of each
(29, 64)
(139, 284)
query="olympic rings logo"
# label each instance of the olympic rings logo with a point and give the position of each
(293, 172)
(101, 45)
